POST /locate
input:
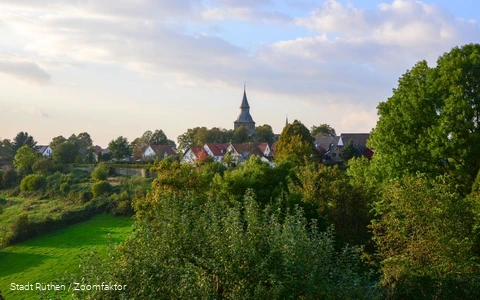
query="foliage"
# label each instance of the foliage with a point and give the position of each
(264, 134)
(295, 143)
(185, 249)
(322, 130)
(431, 123)
(41, 166)
(424, 236)
(32, 183)
(241, 135)
(65, 153)
(100, 188)
(199, 136)
(84, 140)
(57, 141)
(349, 151)
(23, 139)
(100, 172)
(9, 178)
(119, 148)
(24, 160)
(7, 151)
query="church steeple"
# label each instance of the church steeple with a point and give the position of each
(244, 118)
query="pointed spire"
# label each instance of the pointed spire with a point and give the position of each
(286, 120)
(244, 100)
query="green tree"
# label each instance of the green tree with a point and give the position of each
(199, 136)
(7, 151)
(322, 130)
(349, 151)
(431, 122)
(84, 140)
(65, 153)
(22, 139)
(56, 141)
(119, 148)
(24, 159)
(264, 134)
(295, 143)
(241, 135)
(426, 240)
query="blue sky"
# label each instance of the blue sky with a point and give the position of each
(123, 67)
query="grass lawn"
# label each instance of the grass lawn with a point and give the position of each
(55, 257)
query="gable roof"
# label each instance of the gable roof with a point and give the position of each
(41, 148)
(263, 146)
(326, 142)
(358, 139)
(161, 149)
(199, 152)
(217, 149)
(247, 149)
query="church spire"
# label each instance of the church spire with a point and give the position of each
(244, 118)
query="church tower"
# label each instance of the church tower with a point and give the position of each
(244, 118)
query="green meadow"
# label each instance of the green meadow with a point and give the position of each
(55, 257)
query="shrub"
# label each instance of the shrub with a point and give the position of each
(1, 181)
(65, 187)
(9, 178)
(84, 196)
(32, 182)
(41, 166)
(100, 188)
(100, 172)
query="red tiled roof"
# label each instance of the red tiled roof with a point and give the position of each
(247, 148)
(199, 152)
(263, 146)
(218, 149)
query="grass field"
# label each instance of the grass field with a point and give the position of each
(55, 257)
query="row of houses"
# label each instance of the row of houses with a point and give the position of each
(331, 146)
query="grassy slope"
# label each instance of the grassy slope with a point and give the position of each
(56, 255)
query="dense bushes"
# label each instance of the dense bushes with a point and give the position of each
(100, 188)
(100, 172)
(9, 178)
(184, 248)
(32, 183)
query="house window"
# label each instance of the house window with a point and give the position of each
(334, 154)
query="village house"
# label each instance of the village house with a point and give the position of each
(159, 152)
(44, 150)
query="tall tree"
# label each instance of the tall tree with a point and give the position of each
(264, 134)
(295, 143)
(7, 151)
(65, 153)
(22, 139)
(24, 159)
(241, 135)
(159, 138)
(119, 148)
(322, 130)
(56, 141)
(431, 122)
(84, 140)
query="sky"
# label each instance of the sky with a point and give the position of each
(119, 68)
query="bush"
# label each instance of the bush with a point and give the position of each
(100, 172)
(65, 187)
(41, 166)
(84, 196)
(9, 178)
(100, 188)
(32, 182)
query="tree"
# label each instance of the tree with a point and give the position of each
(22, 139)
(322, 130)
(295, 143)
(65, 153)
(431, 123)
(7, 151)
(119, 148)
(84, 140)
(264, 134)
(56, 141)
(349, 151)
(199, 136)
(241, 135)
(158, 138)
(24, 159)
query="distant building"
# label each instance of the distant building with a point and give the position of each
(44, 150)
(244, 118)
(159, 152)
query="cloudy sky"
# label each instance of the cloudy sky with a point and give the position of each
(122, 67)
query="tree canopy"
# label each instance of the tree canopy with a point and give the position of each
(295, 143)
(264, 134)
(322, 130)
(431, 122)
(22, 139)
(24, 159)
(119, 148)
